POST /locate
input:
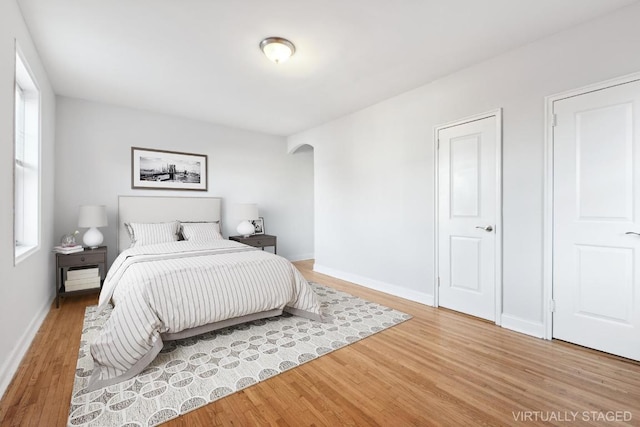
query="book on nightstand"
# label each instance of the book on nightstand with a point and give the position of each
(68, 249)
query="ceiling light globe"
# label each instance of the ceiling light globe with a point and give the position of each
(277, 49)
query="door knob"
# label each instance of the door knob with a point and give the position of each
(632, 232)
(488, 228)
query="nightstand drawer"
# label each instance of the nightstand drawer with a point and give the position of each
(260, 242)
(84, 258)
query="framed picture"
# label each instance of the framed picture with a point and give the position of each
(168, 170)
(259, 225)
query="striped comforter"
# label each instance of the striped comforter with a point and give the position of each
(172, 287)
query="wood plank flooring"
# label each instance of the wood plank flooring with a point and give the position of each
(439, 368)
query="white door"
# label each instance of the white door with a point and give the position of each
(467, 212)
(596, 256)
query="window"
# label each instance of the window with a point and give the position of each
(26, 210)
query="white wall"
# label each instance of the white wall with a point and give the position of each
(93, 166)
(26, 290)
(374, 169)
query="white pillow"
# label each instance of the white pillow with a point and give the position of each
(142, 234)
(201, 231)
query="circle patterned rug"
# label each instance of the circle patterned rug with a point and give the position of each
(190, 373)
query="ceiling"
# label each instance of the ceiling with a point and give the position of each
(200, 58)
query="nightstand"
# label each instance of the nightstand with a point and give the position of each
(258, 241)
(80, 262)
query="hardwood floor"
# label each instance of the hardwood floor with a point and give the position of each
(439, 368)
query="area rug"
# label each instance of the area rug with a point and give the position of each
(193, 372)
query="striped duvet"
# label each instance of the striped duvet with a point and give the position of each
(172, 287)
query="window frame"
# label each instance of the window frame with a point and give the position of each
(25, 82)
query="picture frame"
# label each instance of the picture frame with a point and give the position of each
(153, 169)
(259, 225)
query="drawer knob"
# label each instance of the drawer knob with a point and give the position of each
(82, 259)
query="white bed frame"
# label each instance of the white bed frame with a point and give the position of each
(147, 209)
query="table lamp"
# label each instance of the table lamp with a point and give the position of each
(246, 212)
(92, 217)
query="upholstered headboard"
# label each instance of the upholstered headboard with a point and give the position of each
(163, 209)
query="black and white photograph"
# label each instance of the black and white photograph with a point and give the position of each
(168, 170)
(259, 225)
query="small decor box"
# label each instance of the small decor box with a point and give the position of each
(82, 278)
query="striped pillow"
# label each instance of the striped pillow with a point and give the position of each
(201, 231)
(149, 234)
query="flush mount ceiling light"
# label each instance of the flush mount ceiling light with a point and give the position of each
(277, 49)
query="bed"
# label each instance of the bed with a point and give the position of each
(164, 289)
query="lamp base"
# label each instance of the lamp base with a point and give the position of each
(246, 228)
(92, 238)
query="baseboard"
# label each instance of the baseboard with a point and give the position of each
(377, 285)
(524, 326)
(10, 367)
(302, 257)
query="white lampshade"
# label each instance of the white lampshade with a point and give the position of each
(92, 216)
(246, 211)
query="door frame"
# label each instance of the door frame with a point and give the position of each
(497, 113)
(547, 237)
